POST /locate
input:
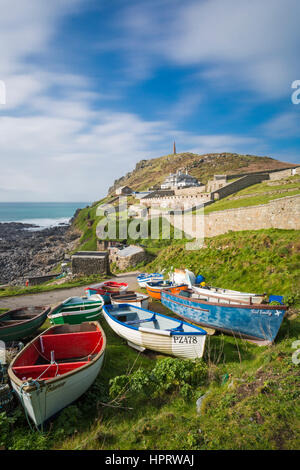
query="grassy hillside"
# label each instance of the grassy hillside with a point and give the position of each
(251, 393)
(152, 172)
(251, 400)
(260, 193)
(254, 261)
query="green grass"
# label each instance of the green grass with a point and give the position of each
(257, 194)
(252, 402)
(49, 286)
(254, 261)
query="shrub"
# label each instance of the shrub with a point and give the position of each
(168, 375)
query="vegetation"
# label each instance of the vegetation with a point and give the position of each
(152, 172)
(252, 261)
(50, 286)
(260, 193)
(148, 401)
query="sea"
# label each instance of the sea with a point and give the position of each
(41, 214)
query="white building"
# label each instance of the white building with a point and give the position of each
(180, 180)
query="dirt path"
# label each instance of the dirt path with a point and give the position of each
(56, 296)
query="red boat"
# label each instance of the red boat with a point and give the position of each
(106, 288)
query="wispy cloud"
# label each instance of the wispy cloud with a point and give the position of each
(251, 44)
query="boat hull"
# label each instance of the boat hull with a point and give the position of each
(62, 382)
(25, 329)
(140, 302)
(260, 323)
(187, 346)
(155, 291)
(51, 398)
(75, 317)
(229, 294)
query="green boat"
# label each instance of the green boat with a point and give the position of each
(22, 322)
(76, 310)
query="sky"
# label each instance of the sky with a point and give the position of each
(90, 87)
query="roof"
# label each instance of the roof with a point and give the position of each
(130, 250)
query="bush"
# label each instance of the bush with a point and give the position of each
(168, 375)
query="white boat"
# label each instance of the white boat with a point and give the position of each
(56, 368)
(143, 278)
(230, 295)
(144, 329)
(131, 298)
(217, 292)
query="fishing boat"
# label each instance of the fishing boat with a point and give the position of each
(260, 323)
(154, 288)
(22, 322)
(144, 329)
(190, 279)
(56, 368)
(131, 298)
(143, 278)
(219, 292)
(76, 310)
(106, 288)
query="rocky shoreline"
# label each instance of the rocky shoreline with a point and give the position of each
(27, 251)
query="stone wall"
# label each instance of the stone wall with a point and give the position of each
(239, 184)
(190, 191)
(284, 174)
(90, 262)
(36, 280)
(281, 213)
(136, 255)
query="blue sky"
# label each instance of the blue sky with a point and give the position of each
(93, 86)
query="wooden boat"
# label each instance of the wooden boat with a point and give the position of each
(154, 288)
(256, 322)
(106, 288)
(56, 368)
(129, 297)
(76, 310)
(22, 322)
(191, 280)
(144, 329)
(143, 278)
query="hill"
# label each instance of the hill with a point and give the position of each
(152, 172)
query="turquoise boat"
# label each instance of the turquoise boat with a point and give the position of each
(22, 322)
(76, 310)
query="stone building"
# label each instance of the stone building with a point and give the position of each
(129, 256)
(90, 262)
(123, 190)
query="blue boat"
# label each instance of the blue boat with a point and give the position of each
(255, 322)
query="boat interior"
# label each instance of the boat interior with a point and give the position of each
(135, 317)
(60, 350)
(209, 297)
(128, 295)
(20, 315)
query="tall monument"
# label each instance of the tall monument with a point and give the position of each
(174, 148)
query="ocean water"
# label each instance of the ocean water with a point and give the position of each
(42, 214)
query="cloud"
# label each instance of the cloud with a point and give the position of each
(283, 125)
(59, 138)
(249, 44)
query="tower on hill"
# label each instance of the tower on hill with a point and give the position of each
(174, 148)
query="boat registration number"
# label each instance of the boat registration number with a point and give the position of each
(185, 339)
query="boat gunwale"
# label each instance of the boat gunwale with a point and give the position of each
(172, 333)
(46, 310)
(248, 306)
(44, 383)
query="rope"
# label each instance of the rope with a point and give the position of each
(25, 409)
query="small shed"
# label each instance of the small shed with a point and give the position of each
(129, 256)
(123, 190)
(90, 262)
